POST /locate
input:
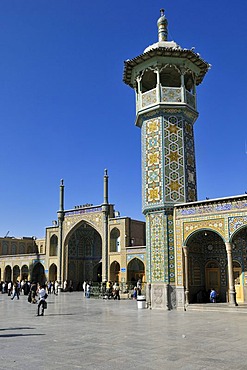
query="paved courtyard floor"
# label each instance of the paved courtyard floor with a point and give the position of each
(80, 333)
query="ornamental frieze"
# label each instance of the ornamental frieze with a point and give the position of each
(217, 225)
(213, 208)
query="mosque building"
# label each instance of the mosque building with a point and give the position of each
(186, 246)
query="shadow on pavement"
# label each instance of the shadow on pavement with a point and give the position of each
(18, 328)
(19, 335)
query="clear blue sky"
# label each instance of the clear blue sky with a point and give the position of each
(65, 112)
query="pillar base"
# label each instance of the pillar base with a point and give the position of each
(163, 296)
(180, 298)
(232, 299)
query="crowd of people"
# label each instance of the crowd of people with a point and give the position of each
(15, 289)
(37, 293)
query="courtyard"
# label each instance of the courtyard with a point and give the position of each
(80, 333)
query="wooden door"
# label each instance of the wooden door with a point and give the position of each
(213, 279)
(238, 280)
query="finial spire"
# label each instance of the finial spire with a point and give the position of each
(162, 26)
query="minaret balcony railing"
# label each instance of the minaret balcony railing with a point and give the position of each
(165, 95)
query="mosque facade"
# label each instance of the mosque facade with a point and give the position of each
(88, 242)
(186, 246)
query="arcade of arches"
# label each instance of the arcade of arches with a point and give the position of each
(211, 250)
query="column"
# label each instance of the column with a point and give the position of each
(186, 267)
(138, 94)
(158, 86)
(232, 292)
(182, 87)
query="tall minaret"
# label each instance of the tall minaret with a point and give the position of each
(60, 214)
(105, 210)
(164, 78)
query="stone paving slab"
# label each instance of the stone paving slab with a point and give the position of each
(95, 334)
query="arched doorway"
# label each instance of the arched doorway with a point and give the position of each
(84, 255)
(38, 273)
(207, 266)
(114, 272)
(212, 276)
(7, 273)
(24, 272)
(135, 271)
(16, 273)
(97, 274)
(53, 272)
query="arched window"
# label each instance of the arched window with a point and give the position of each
(149, 81)
(5, 247)
(115, 240)
(53, 245)
(170, 77)
(13, 248)
(21, 248)
(29, 249)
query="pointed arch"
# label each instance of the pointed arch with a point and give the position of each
(115, 240)
(38, 273)
(135, 270)
(53, 245)
(53, 272)
(114, 271)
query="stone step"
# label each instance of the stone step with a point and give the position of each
(218, 307)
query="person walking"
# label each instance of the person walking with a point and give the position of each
(15, 291)
(33, 290)
(42, 300)
(116, 291)
(88, 290)
(56, 286)
(9, 288)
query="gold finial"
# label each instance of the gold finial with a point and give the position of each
(162, 26)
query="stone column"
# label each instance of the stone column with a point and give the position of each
(158, 85)
(186, 267)
(138, 94)
(182, 87)
(232, 292)
(60, 234)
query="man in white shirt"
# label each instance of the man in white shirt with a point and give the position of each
(42, 297)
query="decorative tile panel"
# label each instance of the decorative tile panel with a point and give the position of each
(149, 98)
(135, 255)
(217, 225)
(152, 166)
(171, 95)
(235, 223)
(157, 253)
